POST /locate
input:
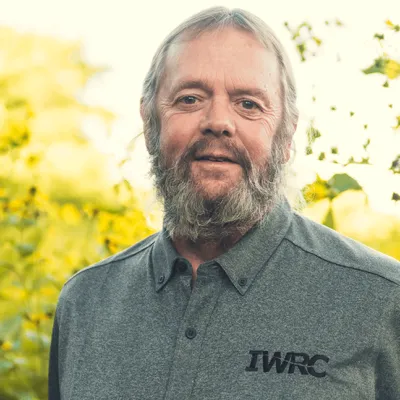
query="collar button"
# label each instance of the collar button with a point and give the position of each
(243, 281)
(190, 333)
(161, 279)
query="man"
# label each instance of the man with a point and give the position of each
(238, 297)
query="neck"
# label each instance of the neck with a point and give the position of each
(200, 251)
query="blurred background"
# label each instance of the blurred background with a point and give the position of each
(74, 187)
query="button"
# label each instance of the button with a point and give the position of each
(181, 266)
(242, 281)
(190, 333)
(161, 279)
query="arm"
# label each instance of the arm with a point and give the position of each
(387, 370)
(53, 384)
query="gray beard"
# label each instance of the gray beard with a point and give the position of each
(189, 215)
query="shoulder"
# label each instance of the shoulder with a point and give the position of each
(316, 239)
(94, 274)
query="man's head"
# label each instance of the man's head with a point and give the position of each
(219, 114)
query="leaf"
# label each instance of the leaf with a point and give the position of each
(392, 26)
(312, 134)
(367, 143)
(5, 366)
(339, 183)
(379, 36)
(395, 167)
(385, 66)
(329, 220)
(25, 249)
(377, 67)
(395, 196)
(334, 150)
(9, 327)
(317, 41)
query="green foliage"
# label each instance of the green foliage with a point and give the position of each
(392, 26)
(395, 167)
(386, 66)
(306, 41)
(321, 189)
(51, 224)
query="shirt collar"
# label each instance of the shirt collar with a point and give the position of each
(243, 261)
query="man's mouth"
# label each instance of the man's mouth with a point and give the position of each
(214, 159)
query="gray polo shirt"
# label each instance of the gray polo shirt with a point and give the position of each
(293, 311)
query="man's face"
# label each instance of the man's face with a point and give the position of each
(219, 168)
(219, 97)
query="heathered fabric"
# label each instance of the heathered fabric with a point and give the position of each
(293, 311)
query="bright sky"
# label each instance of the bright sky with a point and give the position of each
(124, 34)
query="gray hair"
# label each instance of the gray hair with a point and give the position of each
(213, 19)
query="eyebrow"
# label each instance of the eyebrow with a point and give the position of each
(196, 84)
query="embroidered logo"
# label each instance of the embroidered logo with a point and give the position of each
(307, 365)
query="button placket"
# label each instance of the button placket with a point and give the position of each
(189, 344)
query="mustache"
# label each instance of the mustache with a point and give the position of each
(202, 145)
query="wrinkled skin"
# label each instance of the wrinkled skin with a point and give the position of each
(228, 64)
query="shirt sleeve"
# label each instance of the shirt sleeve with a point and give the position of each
(388, 360)
(53, 381)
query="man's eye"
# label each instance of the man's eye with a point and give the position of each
(249, 105)
(187, 100)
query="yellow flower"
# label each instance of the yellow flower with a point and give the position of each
(392, 69)
(70, 214)
(6, 345)
(48, 291)
(37, 317)
(3, 192)
(14, 293)
(15, 205)
(28, 326)
(389, 23)
(104, 221)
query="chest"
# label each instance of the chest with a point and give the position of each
(212, 343)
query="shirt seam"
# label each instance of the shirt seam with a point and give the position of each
(105, 263)
(342, 265)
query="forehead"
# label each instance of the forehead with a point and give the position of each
(228, 56)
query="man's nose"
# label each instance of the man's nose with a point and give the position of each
(218, 119)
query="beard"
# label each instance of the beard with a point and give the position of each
(189, 214)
